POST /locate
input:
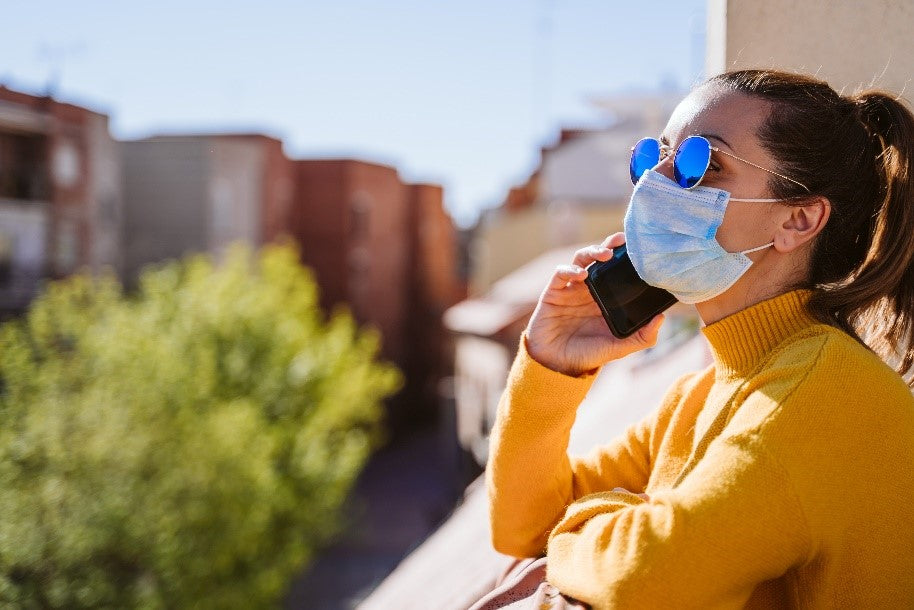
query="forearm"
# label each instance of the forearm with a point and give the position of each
(528, 476)
(734, 522)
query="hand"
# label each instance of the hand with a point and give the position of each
(567, 332)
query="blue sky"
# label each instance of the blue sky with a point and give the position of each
(458, 93)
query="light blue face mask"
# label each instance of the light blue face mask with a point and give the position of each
(669, 234)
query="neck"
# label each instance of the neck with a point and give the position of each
(771, 274)
(739, 342)
(731, 302)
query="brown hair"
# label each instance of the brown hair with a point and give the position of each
(856, 151)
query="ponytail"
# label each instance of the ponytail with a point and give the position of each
(878, 299)
(856, 151)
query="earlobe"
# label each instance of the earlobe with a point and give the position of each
(803, 223)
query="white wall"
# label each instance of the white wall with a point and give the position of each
(23, 247)
(593, 168)
(234, 193)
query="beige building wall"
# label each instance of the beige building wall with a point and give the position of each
(852, 44)
(106, 200)
(234, 193)
(506, 242)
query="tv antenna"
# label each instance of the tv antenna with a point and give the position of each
(56, 55)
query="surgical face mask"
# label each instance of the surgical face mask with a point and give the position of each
(669, 233)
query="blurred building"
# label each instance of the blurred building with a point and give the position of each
(385, 249)
(60, 194)
(578, 194)
(388, 250)
(486, 330)
(200, 193)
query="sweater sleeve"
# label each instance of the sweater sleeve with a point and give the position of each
(529, 476)
(732, 523)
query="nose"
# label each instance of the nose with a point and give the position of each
(665, 167)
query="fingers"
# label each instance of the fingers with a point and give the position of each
(614, 241)
(565, 274)
(585, 256)
(602, 252)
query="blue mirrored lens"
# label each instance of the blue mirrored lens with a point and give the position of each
(691, 161)
(645, 155)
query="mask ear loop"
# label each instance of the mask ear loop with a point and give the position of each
(751, 250)
(768, 245)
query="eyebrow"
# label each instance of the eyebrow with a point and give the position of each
(714, 136)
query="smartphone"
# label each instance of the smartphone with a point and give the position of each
(626, 301)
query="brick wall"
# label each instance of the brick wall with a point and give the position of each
(387, 250)
(317, 225)
(435, 287)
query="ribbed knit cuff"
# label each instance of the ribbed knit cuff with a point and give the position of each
(583, 509)
(545, 386)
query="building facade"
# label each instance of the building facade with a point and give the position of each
(60, 194)
(388, 251)
(71, 197)
(577, 194)
(201, 193)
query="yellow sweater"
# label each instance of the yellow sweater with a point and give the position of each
(781, 476)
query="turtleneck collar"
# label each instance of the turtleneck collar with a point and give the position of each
(739, 341)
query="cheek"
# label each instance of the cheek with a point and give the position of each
(745, 225)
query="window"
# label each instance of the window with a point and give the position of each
(360, 216)
(23, 171)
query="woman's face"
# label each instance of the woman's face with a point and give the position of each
(729, 120)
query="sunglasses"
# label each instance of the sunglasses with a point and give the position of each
(690, 161)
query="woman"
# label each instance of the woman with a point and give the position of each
(783, 474)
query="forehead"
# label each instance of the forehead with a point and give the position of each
(711, 110)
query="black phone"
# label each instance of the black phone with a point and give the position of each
(626, 301)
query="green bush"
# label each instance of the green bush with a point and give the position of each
(188, 447)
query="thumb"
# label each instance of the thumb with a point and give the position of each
(647, 335)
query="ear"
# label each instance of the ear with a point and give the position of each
(799, 224)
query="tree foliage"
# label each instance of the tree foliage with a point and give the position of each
(187, 447)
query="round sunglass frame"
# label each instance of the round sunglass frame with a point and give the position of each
(646, 155)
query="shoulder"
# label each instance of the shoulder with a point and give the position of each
(823, 376)
(690, 382)
(695, 383)
(827, 357)
(839, 421)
